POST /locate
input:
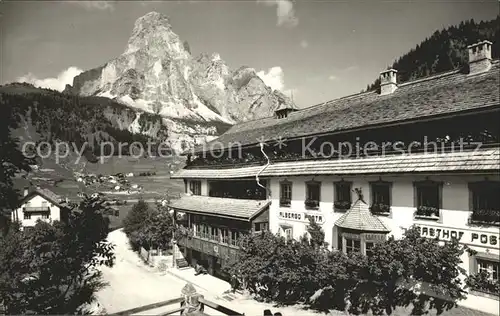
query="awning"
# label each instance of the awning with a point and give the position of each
(220, 207)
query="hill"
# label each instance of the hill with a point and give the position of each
(444, 50)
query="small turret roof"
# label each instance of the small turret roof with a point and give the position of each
(359, 217)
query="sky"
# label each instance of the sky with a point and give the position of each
(315, 50)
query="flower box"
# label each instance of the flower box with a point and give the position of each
(285, 202)
(427, 213)
(311, 204)
(483, 216)
(481, 282)
(341, 205)
(380, 209)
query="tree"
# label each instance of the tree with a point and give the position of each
(12, 160)
(385, 280)
(147, 227)
(316, 232)
(134, 221)
(53, 268)
(292, 271)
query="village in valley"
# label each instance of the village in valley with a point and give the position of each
(379, 202)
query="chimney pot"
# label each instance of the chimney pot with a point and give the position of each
(479, 57)
(388, 81)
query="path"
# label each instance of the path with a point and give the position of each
(132, 284)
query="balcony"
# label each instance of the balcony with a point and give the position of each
(485, 217)
(211, 246)
(36, 209)
(429, 213)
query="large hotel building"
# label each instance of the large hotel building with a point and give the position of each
(424, 152)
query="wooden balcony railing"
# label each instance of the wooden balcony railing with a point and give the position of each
(36, 209)
(190, 303)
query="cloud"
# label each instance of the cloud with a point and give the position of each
(284, 12)
(273, 78)
(95, 5)
(332, 77)
(58, 83)
(304, 44)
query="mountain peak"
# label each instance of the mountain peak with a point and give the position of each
(152, 18)
(153, 30)
(193, 95)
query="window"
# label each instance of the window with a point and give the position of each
(339, 242)
(368, 248)
(27, 215)
(352, 245)
(260, 227)
(285, 194)
(288, 233)
(45, 215)
(195, 187)
(313, 195)
(428, 194)
(381, 197)
(428, 198)
(485, 195)
(342, 195)
(488, 266)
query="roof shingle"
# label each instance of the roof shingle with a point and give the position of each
(480, 160)
(443, 94)
(359, 217)
(221, 207)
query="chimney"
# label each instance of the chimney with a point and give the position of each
(388, 81)
(25, 192)
(479, 57)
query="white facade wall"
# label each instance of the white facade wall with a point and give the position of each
(36, 201)
(453, 218)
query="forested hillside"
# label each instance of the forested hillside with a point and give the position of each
(61, 117)
(445, 50)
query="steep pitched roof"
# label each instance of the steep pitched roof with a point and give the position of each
(444, 94)
(221, 207)
(359, 217)
(479, 161)
(45, 193)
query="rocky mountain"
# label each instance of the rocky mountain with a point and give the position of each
(157, 74)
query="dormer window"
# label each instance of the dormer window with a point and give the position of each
(284, 109)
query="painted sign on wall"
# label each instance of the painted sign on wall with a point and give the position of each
(301, 216)
(469, 237)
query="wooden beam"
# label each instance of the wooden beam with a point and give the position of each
(220, 308)
(149, 307)
(180, 309)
